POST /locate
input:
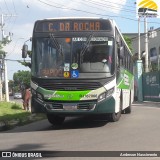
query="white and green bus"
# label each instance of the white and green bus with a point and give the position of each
(80, 66)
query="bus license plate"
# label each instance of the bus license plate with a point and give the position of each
(69, 107)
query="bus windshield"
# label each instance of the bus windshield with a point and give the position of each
(57, 57)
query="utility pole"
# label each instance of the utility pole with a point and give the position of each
(6, 81)
(146, 45)
(1, 65)
(139, 39)
(139, 66)
(5, 39)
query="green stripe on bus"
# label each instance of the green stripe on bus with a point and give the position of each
(69, 95)
(62, 95)
(125, 80)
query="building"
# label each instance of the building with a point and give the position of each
(153, 47)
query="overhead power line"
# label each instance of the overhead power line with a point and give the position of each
(14, 7)
(120, 4)
(6, 6)
(79, 10)
(60, 6)
(111, 4)
(102, 6)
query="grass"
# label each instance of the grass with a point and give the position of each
(11, 115)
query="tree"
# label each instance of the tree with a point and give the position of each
(128, 41)
(11, 86)
(21, 78)
(3, 43)
(24, 63)
(1, 49)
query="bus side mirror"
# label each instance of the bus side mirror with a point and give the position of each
(24, 51)
(121, 52)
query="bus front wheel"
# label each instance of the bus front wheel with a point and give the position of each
(55, 120)
(128, 109)
(113, 117)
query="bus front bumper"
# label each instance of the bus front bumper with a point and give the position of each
(73, 108)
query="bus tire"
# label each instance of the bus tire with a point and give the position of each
(55, 120)
(129, 108)
(114, 117)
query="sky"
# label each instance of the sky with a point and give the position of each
(20, 15)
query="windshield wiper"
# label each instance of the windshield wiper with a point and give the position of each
(56, 44)
(86, 45)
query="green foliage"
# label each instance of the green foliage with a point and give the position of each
(29, 53)
(129, 42)
(16, 88)
(11, 115)
(1, 45)
(22, 77)
(8, 111)
(11, 84)
(154, 67)
(16, 106)
(4, 42)
(1, 50)
(26, 64)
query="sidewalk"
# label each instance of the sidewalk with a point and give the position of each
(147, 104)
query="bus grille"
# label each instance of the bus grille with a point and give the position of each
(70, 86)
(86, 106)
(81, 106)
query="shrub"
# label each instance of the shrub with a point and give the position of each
(16, 106)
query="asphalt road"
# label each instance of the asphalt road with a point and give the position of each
(11, 98)
(138, 131)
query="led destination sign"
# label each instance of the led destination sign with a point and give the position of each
(71, 25)
(81, 26)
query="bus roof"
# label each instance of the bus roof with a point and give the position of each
(78, 18)
(57, 18)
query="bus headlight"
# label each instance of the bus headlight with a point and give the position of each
(105, 94)
(109, 92)
(102, 97)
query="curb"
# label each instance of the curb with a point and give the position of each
(7, 125)
(147, 104)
